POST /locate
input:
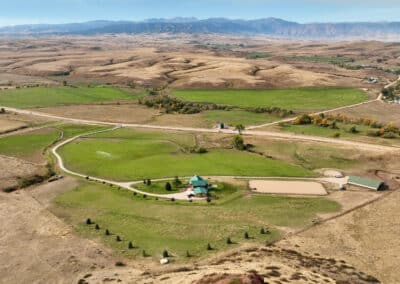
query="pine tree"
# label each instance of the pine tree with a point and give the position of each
(118, 239)
(165, 254)
(97, 227)
(209, 246)
(130, 245)
(107, 232)
(229, 241)
(88, 221)
(262, 231)
(246, 235)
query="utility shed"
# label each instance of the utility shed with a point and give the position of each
(365, 182)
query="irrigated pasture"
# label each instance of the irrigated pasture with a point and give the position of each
(126, 156)
(312, 98)
(154, 225)
(56, 96)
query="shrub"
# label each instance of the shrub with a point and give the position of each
(118, 238)
(209, 246)
(246, 235)
(165, 254)
(262, 231)
(2, 111)
(97, 227)
(238, 143)
(188, 254)
(302, 120)
(130, 245)
(107, 232)
(88, 221)
(177, 181)
(119, 263)
(229, 241)
(353, 129)
(389, 135)
(336, 135)
(168, 186)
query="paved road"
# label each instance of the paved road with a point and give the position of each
(379, 98)
(272, 134)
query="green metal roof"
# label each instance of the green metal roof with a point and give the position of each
(365, 182)
(198, 181)
(200, 190)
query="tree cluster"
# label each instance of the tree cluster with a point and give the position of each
(174, 105)
(330, 121)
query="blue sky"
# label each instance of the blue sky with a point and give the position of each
(61, 11)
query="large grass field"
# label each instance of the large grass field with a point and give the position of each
(56, 96)
(312, 98)
(310, 155)
(154, 225)
(29, 145)
(125, 159)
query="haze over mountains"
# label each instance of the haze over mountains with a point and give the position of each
(270, 26)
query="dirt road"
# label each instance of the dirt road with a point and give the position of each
(379, 98)
(277, 135)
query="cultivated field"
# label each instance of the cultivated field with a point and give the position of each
(45, 97)
(134, 157)
(290, 99)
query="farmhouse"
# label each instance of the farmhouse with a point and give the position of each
(199, 185)
(365, 182)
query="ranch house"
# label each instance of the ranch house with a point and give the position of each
(199, 185)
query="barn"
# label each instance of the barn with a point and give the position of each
(366, 182)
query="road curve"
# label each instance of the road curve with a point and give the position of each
(177, 196)
(379, 98)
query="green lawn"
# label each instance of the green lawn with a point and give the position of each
(126, 159)
(180, 226)
(159, 187)
(28, 145)
(56, 96)
(312, 98)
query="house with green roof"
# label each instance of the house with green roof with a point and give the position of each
(365, 182)
(199, 185)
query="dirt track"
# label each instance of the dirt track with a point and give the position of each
(287, 187)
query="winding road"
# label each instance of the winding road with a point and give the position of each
(183, 195)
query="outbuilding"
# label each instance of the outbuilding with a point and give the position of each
(366, 182)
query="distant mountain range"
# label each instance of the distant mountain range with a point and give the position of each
(269, 26)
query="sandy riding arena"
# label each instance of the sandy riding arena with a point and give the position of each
(287, 187)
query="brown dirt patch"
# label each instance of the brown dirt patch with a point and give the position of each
(38, 247)
(287, 187)
(367, 238)
(12, 169)
(111, 113)
(10, 125)
(379, 111)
